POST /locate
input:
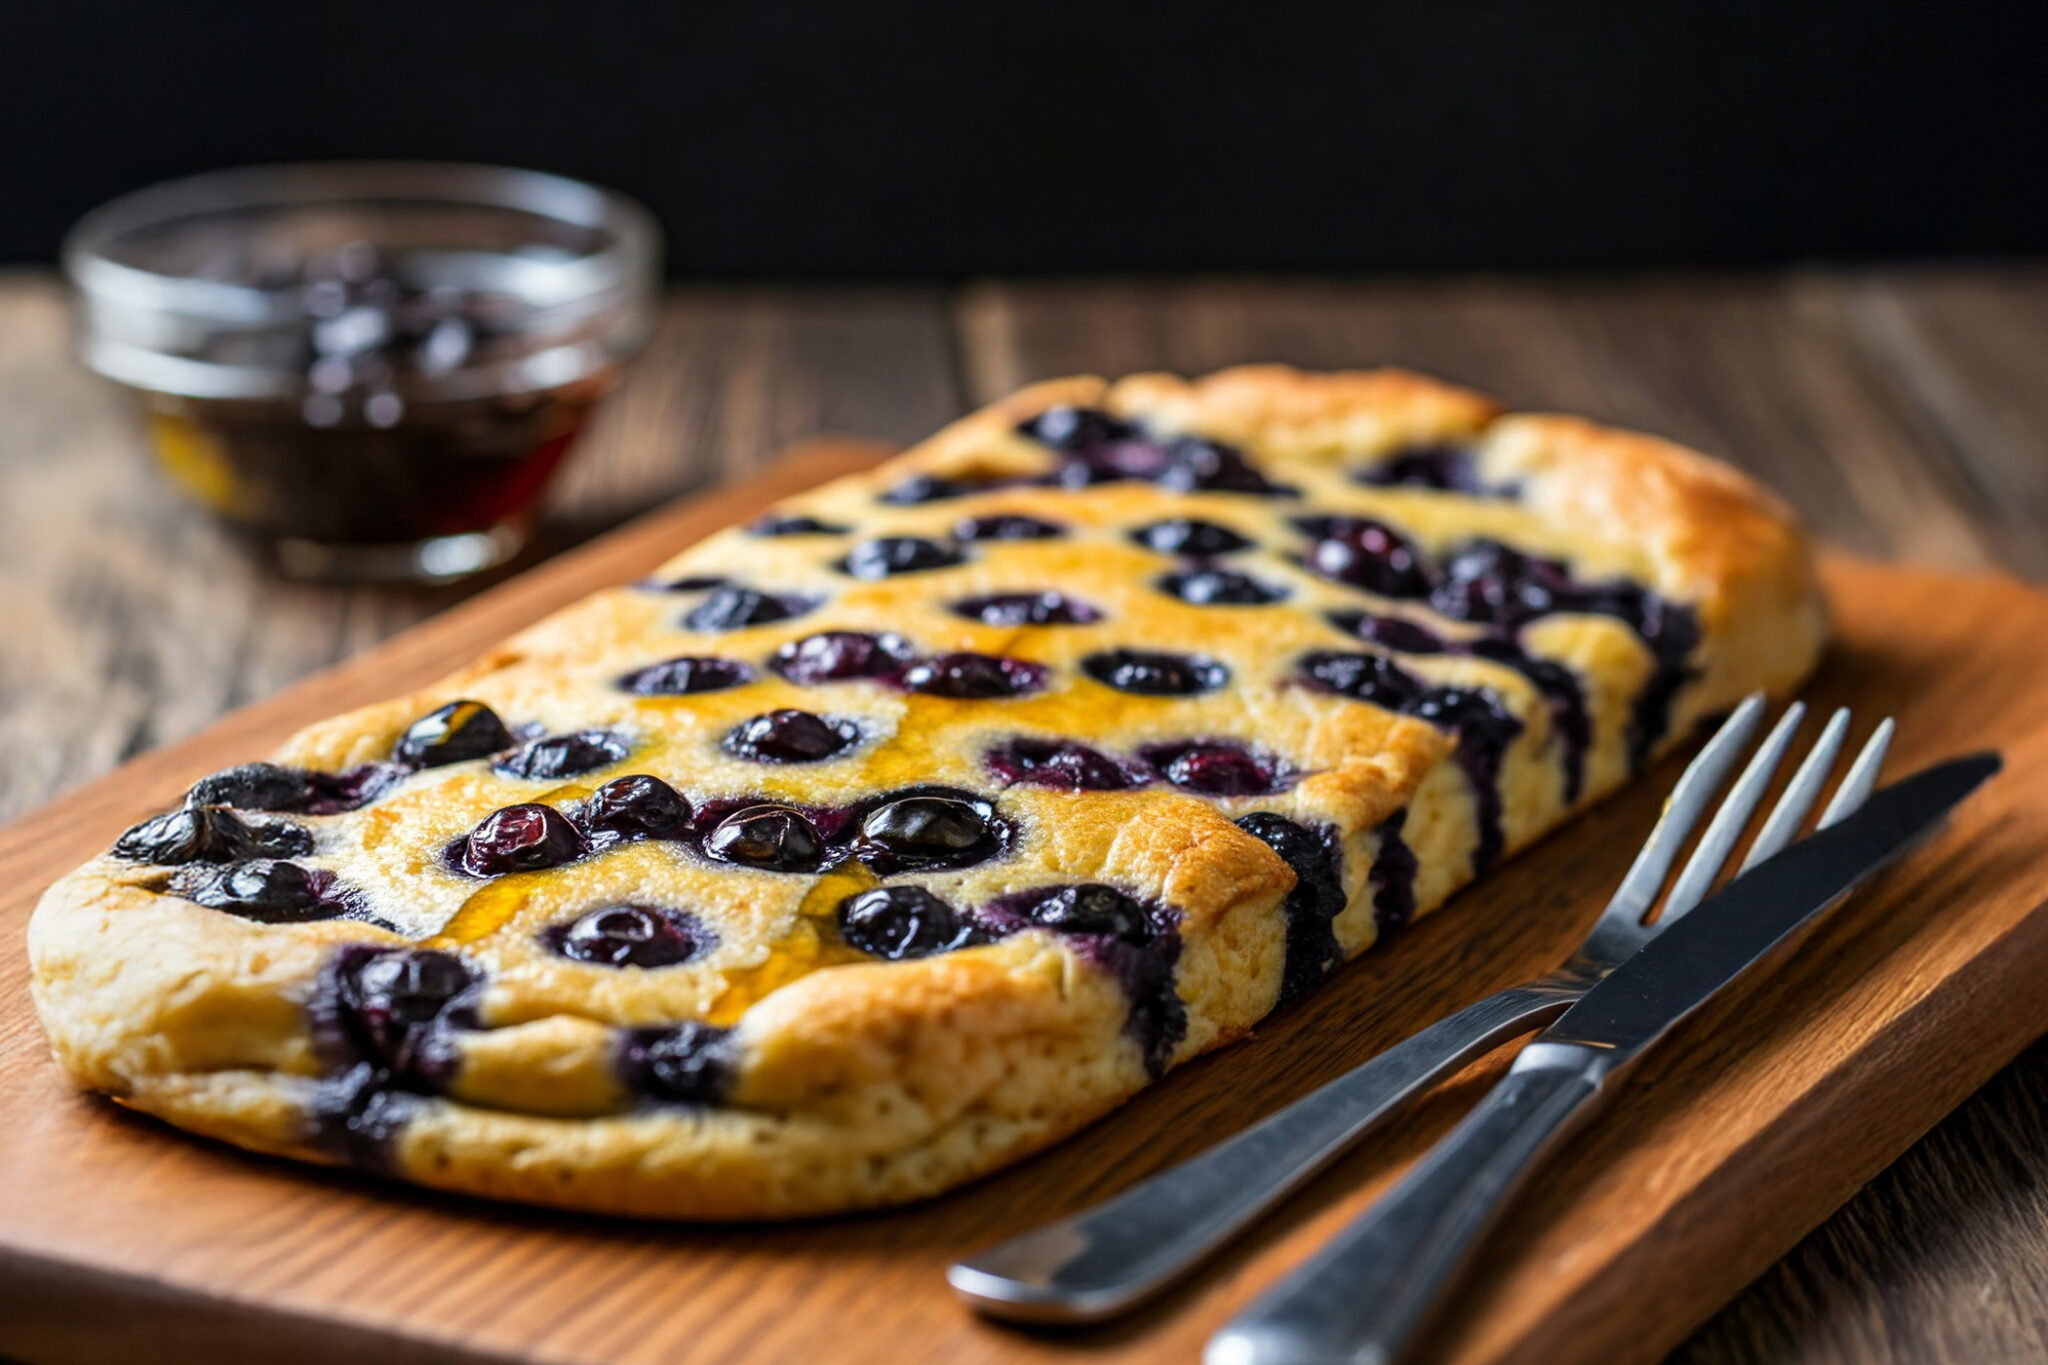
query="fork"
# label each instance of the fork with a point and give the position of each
(1108, 1259)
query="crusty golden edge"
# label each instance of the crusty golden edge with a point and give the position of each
(1030, 1045)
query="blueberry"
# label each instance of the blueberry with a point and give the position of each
(1365, 677)
(837, 655)
(1497, 585)
(392, 1007)
(1484, 728)
(629, 936)
(888, 556)
(268, 890)
(1074, 429)
(1006, 526)
(1450, 468)
(775, 838)
(213, 834)
(790, 736)
(927, 831)
(1311, 907)
(523, 838)
(1390, 632)
(786, 525)
(1368, 554)
(896, 922)
(169, 840)
(254, 786)
(1212, 769)
(690, 1063)
(455, 733)
(1155, 675)
(922, 488)
(694, 583)
(559, 756)
(1196, 465)
(973, 676)
(1026, 609)
(1206, 586)
(1190, 538)
(732, 608)
(1089, 909)
(1060, 763)
(686, 676)
(636, 807)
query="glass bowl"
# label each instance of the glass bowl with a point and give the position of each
(373, 369)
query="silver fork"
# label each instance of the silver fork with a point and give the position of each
(1108, 1259)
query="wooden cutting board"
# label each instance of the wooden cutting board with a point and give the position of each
(121, 1239)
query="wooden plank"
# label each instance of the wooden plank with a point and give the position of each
(1775, 1106)
(128, 619)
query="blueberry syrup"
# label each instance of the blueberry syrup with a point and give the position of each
(1155, 674)
(1312, 906)
(630, 936)
(1026, 609)
(968, 676)
(839, 655)
(1063, 763)
(686, 676)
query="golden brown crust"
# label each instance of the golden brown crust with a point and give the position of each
(857, 1082)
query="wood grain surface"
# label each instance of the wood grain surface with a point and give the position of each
(1904, 413)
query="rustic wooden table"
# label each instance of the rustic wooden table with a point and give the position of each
(1904, 413)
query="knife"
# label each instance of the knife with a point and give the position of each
(1364, 1299)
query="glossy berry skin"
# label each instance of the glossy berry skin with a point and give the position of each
(1207, 586)
(523, 838)
(1006, 526)
(638, 806)
(213, 834)
(790, 525)
(254, 786)
(560, 756)
(1366, 554)
(790, 736)
(1155, 675)
(735, 608)
(1063, 763)
(1196, 465)
(456, 733)
(840, 655)
(686, 676)
(694, 583)
(269, 891)
(1453, 469)
(1190, 538)
(898, 922)
(919, 489)
(1390, 632)
(966, 676)
(168, 840)
(392, 1007)
(689, 1063)
(1026, 609)
(1312, 906)
(1365, 677)
(773, 838)
(888, 556)
(1072, 429)
(629, 936)
(1212, 769)
(927, 831)
(1091, 908)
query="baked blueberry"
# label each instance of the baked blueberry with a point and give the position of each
(454, 733)
(1495, 584)
(1190, 538)
(392, 1007)
(1484, 728)
(686, 676)
(1197, 465)
(1074, 430)
(268, 890)
(1390, 632)
(1006, 526)
(785, 524)
(1212, 768)
(629, 936)
(169, 840)
(1205, 585)
(775, 838)
(694, 583)
(790, 736)
(523, 838)
(1155, 675)
(887, 556)
(559, 756)
(690, 1063)
(968, 676)
(1046, 608)
(213, 834)
(254, 786)
(1366, 554)
(1312, 906)
(837, 655)
(927, 831)
(733, 608)
(897, 922)
(1091, 908)
(1061, 763)
(1367, 677)
(638, 806)
(1450, 468)
(923, 488)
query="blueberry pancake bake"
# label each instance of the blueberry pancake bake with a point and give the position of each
(865, 848)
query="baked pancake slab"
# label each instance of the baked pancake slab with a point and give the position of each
(866, 848)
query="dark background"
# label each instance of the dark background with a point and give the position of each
(889, 138)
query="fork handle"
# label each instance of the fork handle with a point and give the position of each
(1104, 1260)
(1364, 1298)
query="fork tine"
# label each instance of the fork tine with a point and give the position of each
(1727, 825)
(1696, 787)
(1800, 793)
(1855, 788)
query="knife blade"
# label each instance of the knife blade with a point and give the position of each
(1365, 1297)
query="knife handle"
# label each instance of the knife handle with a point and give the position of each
(1366, 1296)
